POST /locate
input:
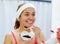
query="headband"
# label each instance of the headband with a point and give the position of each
(22, 8)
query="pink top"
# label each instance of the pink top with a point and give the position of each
(14, 38)
(35, 42)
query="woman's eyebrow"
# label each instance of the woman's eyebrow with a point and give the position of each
(29, 12)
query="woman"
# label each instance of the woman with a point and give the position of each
(56, 39)
(24, 26)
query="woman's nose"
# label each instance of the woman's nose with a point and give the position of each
(30, 17)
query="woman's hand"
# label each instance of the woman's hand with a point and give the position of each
(38, 34)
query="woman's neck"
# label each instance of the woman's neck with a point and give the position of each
(20, 29)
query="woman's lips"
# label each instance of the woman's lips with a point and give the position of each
(30, 22)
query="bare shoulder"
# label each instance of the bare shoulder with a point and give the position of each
(8, 38)
(8, 35)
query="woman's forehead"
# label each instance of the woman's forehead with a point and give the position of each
(27, 10)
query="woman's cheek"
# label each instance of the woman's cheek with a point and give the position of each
(33, 19)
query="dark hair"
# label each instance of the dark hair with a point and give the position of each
(17, 23)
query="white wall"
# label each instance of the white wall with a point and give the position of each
(8, 16)
(55, 16)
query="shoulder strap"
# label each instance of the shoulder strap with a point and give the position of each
(14, 37)
(35, 42)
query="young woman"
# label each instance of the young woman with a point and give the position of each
(24, 30)
(54, 39)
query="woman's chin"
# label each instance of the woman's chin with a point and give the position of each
(59, 38)
(28, 26)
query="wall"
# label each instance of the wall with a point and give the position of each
(8, 16)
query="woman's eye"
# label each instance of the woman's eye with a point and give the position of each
(26, 14)
(33, 14)
(57, 32)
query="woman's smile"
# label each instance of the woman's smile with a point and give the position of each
(29, 22)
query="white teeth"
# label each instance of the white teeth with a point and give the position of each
(29, 21)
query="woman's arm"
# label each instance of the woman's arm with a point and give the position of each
(39, 35)
(7, 39)
(42, 38)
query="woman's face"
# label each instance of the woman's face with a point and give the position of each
(58, 35)
(27, 17)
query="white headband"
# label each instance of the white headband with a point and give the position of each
(24, 7)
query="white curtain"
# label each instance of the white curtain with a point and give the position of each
(8, 16)
(55, 16)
